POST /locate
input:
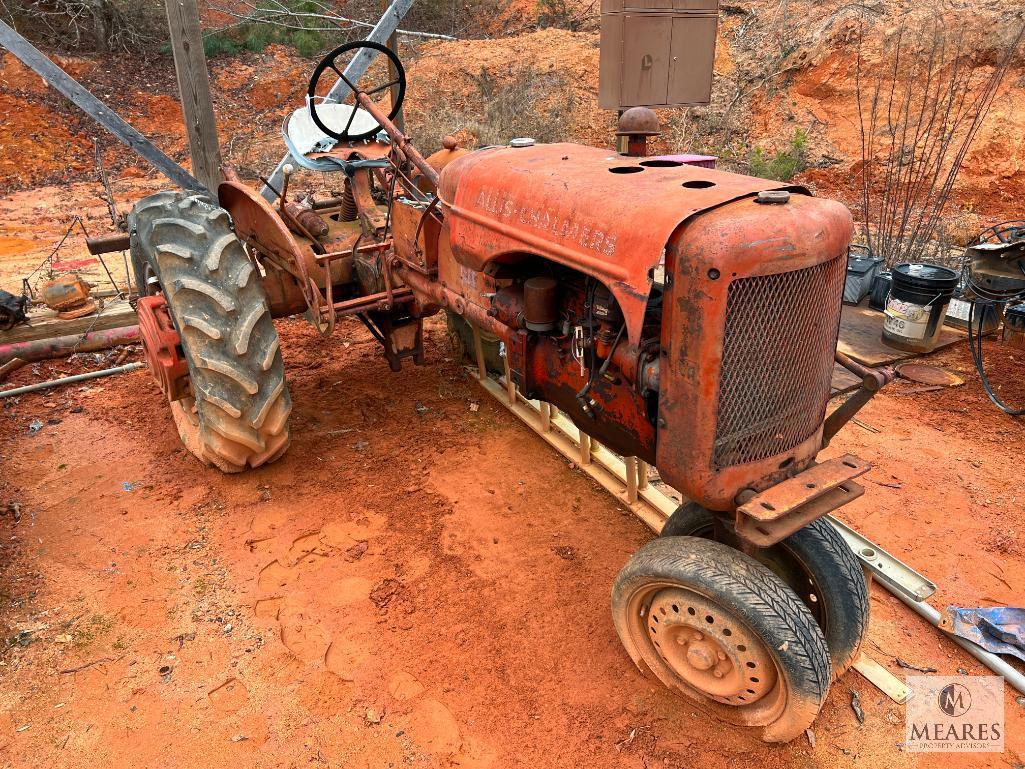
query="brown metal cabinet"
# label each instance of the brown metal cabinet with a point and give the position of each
(656, 53)
(692, 58)
(647, 41)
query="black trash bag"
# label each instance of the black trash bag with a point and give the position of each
(12, 310)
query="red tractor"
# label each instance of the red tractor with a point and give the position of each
(682, 315)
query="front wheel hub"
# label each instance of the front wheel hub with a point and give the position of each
(162, 346)
(710, 650)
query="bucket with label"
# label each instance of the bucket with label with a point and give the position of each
(916, 306)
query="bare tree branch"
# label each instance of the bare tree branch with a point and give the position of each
(280, 15)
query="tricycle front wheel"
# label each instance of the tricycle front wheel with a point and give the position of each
(718, 627)
(817, 565)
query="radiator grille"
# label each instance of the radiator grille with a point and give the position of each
(777, 361)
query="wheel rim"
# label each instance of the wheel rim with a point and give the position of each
(708, 652)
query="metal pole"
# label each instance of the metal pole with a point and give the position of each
(70, 380)
(358, 67)
(992, 661)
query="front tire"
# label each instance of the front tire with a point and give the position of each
(721, 629)
(817, 565)
(236, 416)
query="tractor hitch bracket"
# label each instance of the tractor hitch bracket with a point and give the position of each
(766, 518)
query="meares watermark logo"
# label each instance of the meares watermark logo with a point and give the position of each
(962, 714)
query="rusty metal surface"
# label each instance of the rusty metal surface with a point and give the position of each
(766, 518)
(925, 373)
(284, 297)
(369, 150)
(590, 209)
(162, 347)
(781, 499)
(449, 152)
(540, 310)
(735, 242)
(105, 244)
(67, 293)
(872, 381)
(258, 223)
(768, 533)
(708, 648)
(622, 423)
(638, 121)
(777, 361)
(416, 231)
(371, 218)
(308, 219)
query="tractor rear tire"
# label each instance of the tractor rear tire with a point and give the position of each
(718, 627)
(818, 565)
(237, 414)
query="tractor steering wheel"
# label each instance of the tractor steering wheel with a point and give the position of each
(337, 61)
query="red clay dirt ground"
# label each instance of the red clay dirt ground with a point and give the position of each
(419, 582)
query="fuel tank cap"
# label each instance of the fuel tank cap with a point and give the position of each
(522, 141)
(773, 197)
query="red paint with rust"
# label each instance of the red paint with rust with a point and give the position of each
(162, 346)
(603, 214)
(718, 250)
(590, 212)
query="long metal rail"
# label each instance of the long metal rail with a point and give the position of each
(622, 477)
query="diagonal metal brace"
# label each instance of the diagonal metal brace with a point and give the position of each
(872, 381)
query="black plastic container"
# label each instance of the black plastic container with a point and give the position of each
(879, 290)
(917, 305)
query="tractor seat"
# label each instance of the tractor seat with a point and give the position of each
(310, 147)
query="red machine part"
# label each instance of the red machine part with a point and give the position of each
(162, 345)
(603, 214)
(752, 310)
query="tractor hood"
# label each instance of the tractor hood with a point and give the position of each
(598, 212)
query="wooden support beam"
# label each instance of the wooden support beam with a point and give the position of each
(194, 89)
(393, 44)
(50, 326)
(385, 28)
(61, 81)
(882, 679)
(510, 386)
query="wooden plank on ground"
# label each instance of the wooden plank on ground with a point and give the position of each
(882, 679)
(861, 330)
(114, 315)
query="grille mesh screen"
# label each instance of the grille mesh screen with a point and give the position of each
(777, 361)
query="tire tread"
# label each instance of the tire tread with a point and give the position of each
(241, 397)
